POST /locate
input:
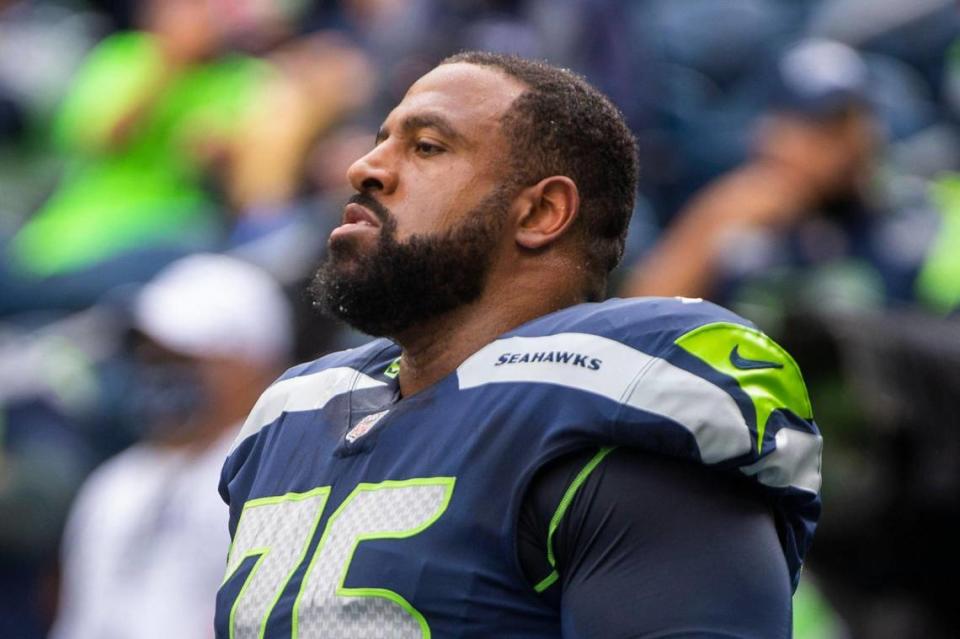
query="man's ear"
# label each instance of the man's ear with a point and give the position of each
(550, 207)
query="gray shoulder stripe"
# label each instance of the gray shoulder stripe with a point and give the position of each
(703, 408)
(700, 406)
(795, 462)
(306, 392)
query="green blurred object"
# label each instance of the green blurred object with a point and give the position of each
(813, 618)
(938, 285)
(142, 186)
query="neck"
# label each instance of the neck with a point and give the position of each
(434, 349)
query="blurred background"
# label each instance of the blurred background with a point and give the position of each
(169, 171)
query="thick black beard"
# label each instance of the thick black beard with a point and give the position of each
(402, 284)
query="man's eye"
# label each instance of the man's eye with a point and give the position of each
(427, 148)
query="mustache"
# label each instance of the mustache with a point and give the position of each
(367, 201)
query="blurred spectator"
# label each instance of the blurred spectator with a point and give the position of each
(42, 460)
(318, 79)
(53, 429)
(191, 135)
(802, 196)
(146, 120)
(41, 46)
(146, 542)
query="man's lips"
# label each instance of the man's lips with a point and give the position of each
(354, 213)
(356, 219)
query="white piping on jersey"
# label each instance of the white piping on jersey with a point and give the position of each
(795, 462)
(307, 392)
(654, 385)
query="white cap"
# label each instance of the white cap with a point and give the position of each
(209, 305)
(814, 69)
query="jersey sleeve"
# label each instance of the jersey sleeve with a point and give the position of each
(628, 544)
(673, 377)
(716, 390)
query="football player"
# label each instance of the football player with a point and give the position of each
(512, 457)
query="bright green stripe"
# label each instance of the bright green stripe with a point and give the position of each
(565, 501)
(770, 388)
(393, 369)
(547, 581)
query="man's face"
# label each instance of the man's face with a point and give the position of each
(419, 237)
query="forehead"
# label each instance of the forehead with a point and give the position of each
(471, 97)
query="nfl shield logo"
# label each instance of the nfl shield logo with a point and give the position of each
(364, 425)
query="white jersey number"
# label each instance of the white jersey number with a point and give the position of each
(279, 531)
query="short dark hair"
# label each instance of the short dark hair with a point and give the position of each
(561, 125)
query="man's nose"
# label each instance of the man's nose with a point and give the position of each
(372, 173)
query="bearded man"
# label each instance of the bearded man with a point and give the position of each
(512, 458)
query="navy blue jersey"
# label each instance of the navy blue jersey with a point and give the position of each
(355, 513)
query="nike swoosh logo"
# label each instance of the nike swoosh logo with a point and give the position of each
(745, 364)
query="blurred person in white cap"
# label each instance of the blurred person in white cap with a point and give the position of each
(146, 541)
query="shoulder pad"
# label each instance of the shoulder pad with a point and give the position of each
(311, 385)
